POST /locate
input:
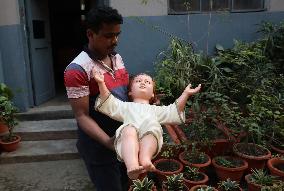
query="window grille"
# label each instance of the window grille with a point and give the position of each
(197, 6)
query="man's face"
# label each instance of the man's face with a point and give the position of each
(105, 41)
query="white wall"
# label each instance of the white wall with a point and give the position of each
(276, 5)
(9, 12)
(137, 8)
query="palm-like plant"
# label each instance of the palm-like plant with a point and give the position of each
(142, 185)
(192, 173)
(260, 177)
(207, 188)
(228, 185)
(174, 182)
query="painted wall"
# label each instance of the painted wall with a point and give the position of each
(276, 5)
(9, 12)
(13, 64)
(137, 8)
(142, 40)
(13, 67)
(160, 7)
(1, 70)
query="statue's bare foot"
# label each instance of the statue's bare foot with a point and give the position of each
(134, 173)
(148, 165)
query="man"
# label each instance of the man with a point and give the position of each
(95, 130)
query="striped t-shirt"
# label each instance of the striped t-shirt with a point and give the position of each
(79, 83)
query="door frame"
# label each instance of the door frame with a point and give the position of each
(27, 30)
(26, 49)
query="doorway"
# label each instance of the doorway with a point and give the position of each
(68, 33)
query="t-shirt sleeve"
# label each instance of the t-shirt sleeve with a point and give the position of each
(169, 114)
(76, 81)
(111, 107)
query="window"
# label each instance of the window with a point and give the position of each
(191, 6)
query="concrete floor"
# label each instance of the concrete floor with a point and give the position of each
(63, 175)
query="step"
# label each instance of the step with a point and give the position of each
(46, 150)
(47, 113)
(63, 175)
(47, 129)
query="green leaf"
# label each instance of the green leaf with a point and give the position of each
(219, 47)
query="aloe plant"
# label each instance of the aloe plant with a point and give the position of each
(192, 173)
(174, 182)
(260, 177)
(207, 188)
(277, 186)
(142, 185)
(229, 185)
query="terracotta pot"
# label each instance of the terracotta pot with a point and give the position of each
(4, 130)
(172, 134)
(252, 186)
(272, 165)
(191, 183)
(235, 173)
(163, 173)
(194, 188)
(277, 150)
(254, 162)
(234, 137)
(219, 147)
(10, 146)
(202, 166)
(180, 133)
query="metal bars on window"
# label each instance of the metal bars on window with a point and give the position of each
(197, 6)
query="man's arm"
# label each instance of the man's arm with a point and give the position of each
(80, 107)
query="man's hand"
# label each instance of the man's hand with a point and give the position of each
(190, 91)
(110, 143)
(98, 76)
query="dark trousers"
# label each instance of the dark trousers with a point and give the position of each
(108, 177)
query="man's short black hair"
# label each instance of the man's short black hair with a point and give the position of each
(97, 16)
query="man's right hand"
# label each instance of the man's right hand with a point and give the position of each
(110, 143)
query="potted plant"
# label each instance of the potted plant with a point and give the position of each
(229, 185)
(9, 142)
(192, 177)
(277, 186)
(256, 155)
(169, 150)
(276, 142)
(210, 113)
(174, 183)
(167, 165)
(5, 91)
(258, 179)
(203, 188)
(195, 158)
(229, 167)
(276, 167)
(143, 185)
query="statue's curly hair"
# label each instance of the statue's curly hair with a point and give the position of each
(153, 100)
